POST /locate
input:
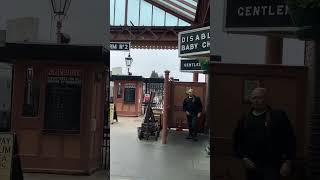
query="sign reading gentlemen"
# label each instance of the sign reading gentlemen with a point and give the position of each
(194, 42)
(190, 65)
(257, 15)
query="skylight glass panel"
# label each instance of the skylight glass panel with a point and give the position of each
(158, 17)
(146, 14)
(133, 12)
(171, 20)
(120, 12)
(112, 12)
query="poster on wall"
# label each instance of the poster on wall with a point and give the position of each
(257, 16)
(111, 114)
(6, 155)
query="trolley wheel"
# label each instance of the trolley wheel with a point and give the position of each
(140, 135)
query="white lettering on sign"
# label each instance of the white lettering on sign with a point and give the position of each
(113, 46)
(248, 11)
(189, 47)
(192, 38)
(279, 10)
(130, 85)
(6, 152)
(240, 11)
(206, 44)
(64, 72)
(191, 65)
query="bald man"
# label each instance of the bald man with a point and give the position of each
(264, 139)
(192, 106)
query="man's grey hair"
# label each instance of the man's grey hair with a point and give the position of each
(260, 90)
(190, 90)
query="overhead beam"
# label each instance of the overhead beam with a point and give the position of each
(203, 12)
(149, 37)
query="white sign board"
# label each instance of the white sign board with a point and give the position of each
(6, 154)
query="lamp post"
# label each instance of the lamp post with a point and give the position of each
(60, 9)
(128, 62)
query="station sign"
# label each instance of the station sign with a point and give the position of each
(190, 65)
(257, 16)
(197, 65)
(120, 46)
(194, 42)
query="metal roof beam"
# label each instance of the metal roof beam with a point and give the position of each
(203, 12)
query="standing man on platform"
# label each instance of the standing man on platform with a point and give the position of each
(192, 106)
(264, 139)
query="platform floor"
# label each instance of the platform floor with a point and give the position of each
(132, 159)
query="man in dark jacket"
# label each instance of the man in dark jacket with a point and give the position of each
(192, 106)
(264, 139)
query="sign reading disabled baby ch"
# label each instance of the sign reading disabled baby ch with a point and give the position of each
(194, 42)
(6, 155)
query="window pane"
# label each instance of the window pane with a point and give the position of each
(146, 11)
(183, 23)
(120, 12)
(133, 12)
(129, 95)
(158, 17)
(112, 12)
(171, 20)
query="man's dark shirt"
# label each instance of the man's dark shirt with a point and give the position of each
(265, 144)
(192, 104)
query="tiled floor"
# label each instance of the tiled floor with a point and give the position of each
(132, 159)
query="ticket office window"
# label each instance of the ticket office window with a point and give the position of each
(130, 93)
(63, 105)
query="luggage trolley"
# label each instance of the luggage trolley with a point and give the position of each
(150, 126)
